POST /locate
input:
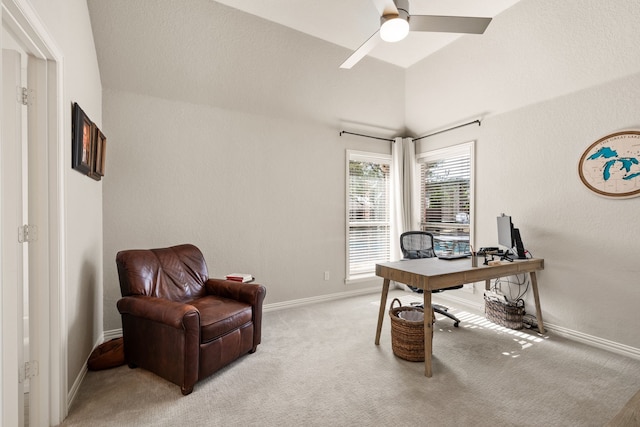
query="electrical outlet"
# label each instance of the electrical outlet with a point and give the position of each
(468, 288)
(326, 275)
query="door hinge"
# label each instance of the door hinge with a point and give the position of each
(26, 96)
(30, 369)
(27, 233)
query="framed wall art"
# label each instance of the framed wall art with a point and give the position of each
(89, 145)
(610, 166)
(100, 152)
(81, 141)
(93, 174)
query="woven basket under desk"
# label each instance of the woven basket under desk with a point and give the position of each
(504, 313)
(407, 337)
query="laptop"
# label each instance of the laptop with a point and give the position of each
(454, 256)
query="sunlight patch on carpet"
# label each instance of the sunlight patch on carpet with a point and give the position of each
(526, 338)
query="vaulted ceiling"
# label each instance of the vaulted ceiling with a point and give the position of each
(350, 23)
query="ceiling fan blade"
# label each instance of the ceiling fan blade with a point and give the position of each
(386, 7)
(362, 51)
(448, 24)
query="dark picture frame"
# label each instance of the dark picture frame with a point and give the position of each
(100, 152)
(94, 153)
(82, 141)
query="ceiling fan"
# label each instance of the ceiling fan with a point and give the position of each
(396, 22)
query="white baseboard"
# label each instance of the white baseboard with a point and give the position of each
(322, 298)
(594, 341)
(78, 382)
(114, 333)
(604, 344)
(76, 386)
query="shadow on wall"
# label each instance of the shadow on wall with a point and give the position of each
(82, 321)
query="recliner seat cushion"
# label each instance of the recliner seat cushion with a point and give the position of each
(219, 316)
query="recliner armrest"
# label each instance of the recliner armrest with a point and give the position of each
(160, 310)
(248, 293)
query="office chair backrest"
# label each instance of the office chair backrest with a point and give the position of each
(417, 244)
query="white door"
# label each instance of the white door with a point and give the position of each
(37, 285)
(23, 171)
(12, 214)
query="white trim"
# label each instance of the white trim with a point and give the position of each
(570, 334)
(367, 156)
(321, 298)
(593, 341)
(461, 149)
(57, 256)
(73, 393)
(277, 306)
(113, 333)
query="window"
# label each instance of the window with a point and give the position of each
(446, 196)
(368, 216)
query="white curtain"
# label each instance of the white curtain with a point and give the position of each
(403, 209)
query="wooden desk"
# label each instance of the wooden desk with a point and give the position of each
(431, 274)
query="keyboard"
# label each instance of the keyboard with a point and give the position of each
(489, 250)
(453, 256)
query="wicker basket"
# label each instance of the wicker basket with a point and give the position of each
(407, 337)
(505, 313)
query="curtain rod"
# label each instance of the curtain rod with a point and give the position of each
(447, 130)
(365, 136)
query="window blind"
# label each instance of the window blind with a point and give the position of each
(445, 197)
(368, 213)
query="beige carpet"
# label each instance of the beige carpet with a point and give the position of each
(318, 366)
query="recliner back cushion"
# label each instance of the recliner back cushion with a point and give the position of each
(176, 273)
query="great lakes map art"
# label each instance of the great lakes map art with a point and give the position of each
(610, 167)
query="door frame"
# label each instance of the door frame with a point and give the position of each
(50, 392)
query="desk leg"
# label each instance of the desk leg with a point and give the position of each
(487, 284)
(536, 297)
(383, 306)
(428, 333)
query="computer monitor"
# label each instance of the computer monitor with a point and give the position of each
(509, 236)
(505, 231)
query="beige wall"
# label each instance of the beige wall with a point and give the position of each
(234, 146)
(549, 79)
(257, 194)
(244, 161)
(68, 24)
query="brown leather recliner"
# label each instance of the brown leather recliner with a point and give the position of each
(177, 322)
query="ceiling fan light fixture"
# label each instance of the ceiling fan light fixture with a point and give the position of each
(394, 28)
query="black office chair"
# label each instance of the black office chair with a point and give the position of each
(419, 244)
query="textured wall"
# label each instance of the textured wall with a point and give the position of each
(535, 51)
(553, 78)
(231, 142)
